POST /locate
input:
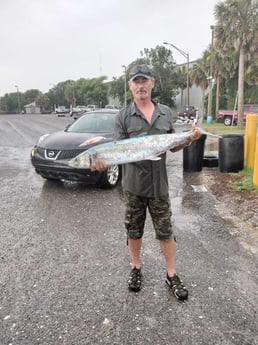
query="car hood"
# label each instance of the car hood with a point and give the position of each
(69, 141)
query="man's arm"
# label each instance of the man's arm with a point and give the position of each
(194, 136)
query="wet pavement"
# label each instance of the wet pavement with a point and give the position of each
(64, 260)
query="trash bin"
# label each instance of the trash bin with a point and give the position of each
(231, 153)
(193, 155)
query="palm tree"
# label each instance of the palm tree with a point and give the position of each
(224, 68)
(181, 74)
(237, 29)
(198, 75)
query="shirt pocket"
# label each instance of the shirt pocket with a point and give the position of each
(163, 128)
(134, 131)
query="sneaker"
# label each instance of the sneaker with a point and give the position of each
(135, 280)
(177, 287)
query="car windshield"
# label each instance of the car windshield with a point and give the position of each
(94, 123)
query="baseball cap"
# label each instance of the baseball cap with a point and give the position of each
(140, 71)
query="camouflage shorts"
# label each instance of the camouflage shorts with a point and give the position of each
(135, 215)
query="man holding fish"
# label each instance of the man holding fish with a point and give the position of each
(145, 182)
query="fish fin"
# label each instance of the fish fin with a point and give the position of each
(92, 141)
(154, 158)
(211, 134)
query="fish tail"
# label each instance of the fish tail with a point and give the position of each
(210, 134)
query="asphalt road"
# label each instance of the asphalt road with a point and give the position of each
(64, 260)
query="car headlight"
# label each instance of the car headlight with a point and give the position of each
(42, 138)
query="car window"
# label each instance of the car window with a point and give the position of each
(255, 108)
(251, 108)
(94, 123)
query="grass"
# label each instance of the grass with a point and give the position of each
(245, 181)
(220, 128)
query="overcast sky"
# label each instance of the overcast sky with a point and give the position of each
(44, 42)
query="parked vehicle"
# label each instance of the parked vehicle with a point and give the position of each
(111, 106)
(61, 110)
(78, 110)
(91, 107)
(227, 116)
(52, 152)
(187, 112)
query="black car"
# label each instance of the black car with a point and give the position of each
(187, 112)
(52, 152)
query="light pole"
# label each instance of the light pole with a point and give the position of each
(209, 110)
(186, 55)
(18, 99)
(125, 102)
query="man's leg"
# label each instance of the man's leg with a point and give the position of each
(168, 249)
(161, 216)
(135, 278)
(135, 215)
(135, 251)
(174, 282)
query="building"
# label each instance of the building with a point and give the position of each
(32, 108)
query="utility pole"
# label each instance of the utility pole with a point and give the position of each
(18, 99)
(210, 78)
(186, 55)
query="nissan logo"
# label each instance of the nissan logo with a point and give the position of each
(51, 154)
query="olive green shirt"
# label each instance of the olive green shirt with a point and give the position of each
(145, 178)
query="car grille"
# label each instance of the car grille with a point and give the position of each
(58, 154)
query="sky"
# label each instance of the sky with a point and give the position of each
(44, 42)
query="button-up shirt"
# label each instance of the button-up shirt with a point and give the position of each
(145, 178)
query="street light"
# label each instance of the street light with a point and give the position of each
(186, 55)
(18, 98)
(125, 102)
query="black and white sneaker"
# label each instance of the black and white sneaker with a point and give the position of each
(135, 280)
(177, 287)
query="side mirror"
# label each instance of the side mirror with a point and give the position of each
(67, 127)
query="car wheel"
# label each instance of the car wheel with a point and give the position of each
(228, 121)
(110, 177)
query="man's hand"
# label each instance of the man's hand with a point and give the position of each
(196, 133)
(99, 165)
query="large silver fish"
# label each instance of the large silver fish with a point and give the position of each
(129, 150)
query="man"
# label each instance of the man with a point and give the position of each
(145, 183)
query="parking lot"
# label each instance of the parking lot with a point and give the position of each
(64, 260)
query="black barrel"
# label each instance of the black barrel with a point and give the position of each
(193, 155)
(231, 153)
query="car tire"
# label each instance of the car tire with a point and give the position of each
(210, 161)
(110, 177)
(228, 121)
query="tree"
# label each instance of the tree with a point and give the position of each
(43, 102)
(56, 95)
(70, 94)
(160, 59)
(92, 91)
(161, 62)
(29, 96)
(182, 80)
(236, 30)
(117, 88)
(199, 76)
